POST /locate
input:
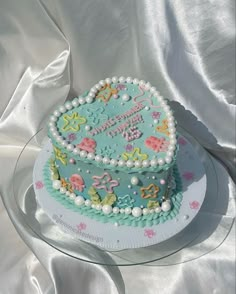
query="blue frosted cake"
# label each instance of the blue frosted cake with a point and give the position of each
(115, 153)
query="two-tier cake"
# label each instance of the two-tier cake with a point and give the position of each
(115, 152)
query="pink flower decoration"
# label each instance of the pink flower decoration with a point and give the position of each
(149, 233)
(121, 87)
(87, 144)
(155, 143)
(156, 115)
(39, 185)
(194, 204)
(105, 182)
(71, 137)
(188, 176)
(81, 226)
(77, 182)
(182, 141)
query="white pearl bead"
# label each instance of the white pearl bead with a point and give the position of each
(55, 134)
(171, 124)
(152, 90)
(129, 163)
(90, 156)
(62, 109)
(125, 97)
(81, 100)
(93, 205)
(87, 202)
(153, 162)
(98, 207)
(67, 193)
(160, 99)
(89, 99)
(64, 143)
(87, 128)
(172, 130)
(98, 86)
(147, 107)
(108, 81)
(156, 94)
(161, 161)
(173, 141)
(141, 83)
(121, 163)
(62, 190)
(102, 83)
(58, 139)
(51, 124)
(145, 211)
(107, 209)
(122, 79)
(75, 151)
(169, 113)
(75, 102)
(122, 210)
(114, 162)
(98, 158)
(135, 81)
(151, 211)
(168, 159)
(53, 118)
(155, 121)
(170, 153)
(72, 196)
(170, 119)
(129, 186)
(129, 80)
(166, 108)
(93, 90)
(136, 211)
(53, 129)
(106, 160)
(70, 147)
(145, 163)
(57, 113)
(163, 103)
(134, 181)
(56, 184)
(158, 209)
(138, 163)
(79, 200)
(114, 79)
(147, 86)
(166, 206)
(171, 147)
(116, 210)
(68, 105)
(83, 154)
(128, 210)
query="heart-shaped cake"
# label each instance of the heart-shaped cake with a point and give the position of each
(115, 151)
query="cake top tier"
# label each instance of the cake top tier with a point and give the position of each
(120, 123)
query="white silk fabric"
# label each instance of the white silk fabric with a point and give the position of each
(51, 51)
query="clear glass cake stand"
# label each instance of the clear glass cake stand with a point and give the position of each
(205, 233)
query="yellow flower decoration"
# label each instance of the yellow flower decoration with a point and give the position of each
(59, 155)
(134, 155)
(106, 92)
(150, 191)
(163, 128)
(73, 122)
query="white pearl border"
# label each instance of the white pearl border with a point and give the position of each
(108, 209)
(99, 158)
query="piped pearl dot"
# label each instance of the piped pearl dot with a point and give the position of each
(138, 163)
(67, 193)
(56, 184)
(121, 163)
(129, 163)
(87, 128)
(89, 99)
(53, 118)
(129, 186)
(136, 211)
(57, 113)
(62, 109)
(121, 79)
(153, 177)
(75, 151)
(87, 171)
(135, 81)
(113, 162)
(72, 196)
(98, 207)
(83, 154)
(98, 86)
(186, 217)
(146, 163)
(90, 156)
(153, 162)
(102, 83)
(134, 181)
(68, 105)
(125, 97)
(152, 90)
(79, 200)
(170, 153)
(70, 147)
(106, 160)
(115, 96)
(98, 158)
(114, 79)
(155, 121)
(116, 224)
(171, 147)
(166, 206)
(122, 210)
(168, 159)
(75, 102)
(107, 209)
(129, 80)
(108, 80)
(147, 108)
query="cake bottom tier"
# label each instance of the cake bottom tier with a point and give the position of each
(112, 207)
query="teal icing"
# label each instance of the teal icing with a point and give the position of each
(122, 219)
